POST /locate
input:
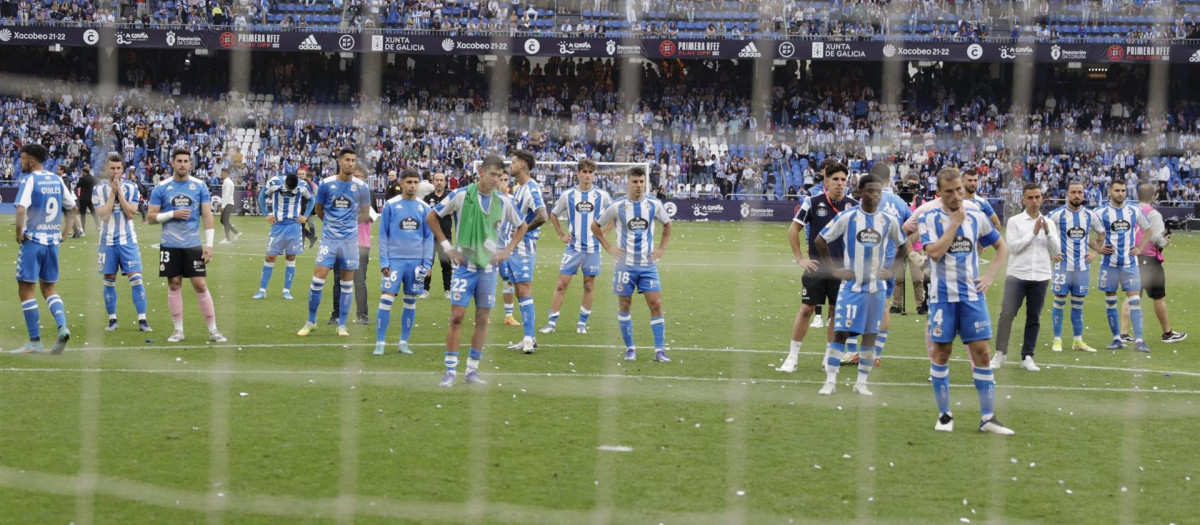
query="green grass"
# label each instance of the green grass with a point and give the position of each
(274, 428)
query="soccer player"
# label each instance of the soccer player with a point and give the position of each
(637, 260)
(527, 197)
(405, 258)
(287, 195)
(41, 199)
(862, 301)
(342, 202)
(310, 232)
(506, 231)
(820, 286)
(179, 204)
(816, 190)
(952, 236)
(581, 206)
(115, 201)
(479, 210)
(970, 180)
(1119, 264)
(1070, 275)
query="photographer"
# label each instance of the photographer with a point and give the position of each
(909, 190)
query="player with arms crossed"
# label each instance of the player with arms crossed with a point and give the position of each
(952, 236)
(342, 202)
(820, 286)
(115, 201)
(1119, 264)
(480, 210)
(405, 258)
(178, 204)
(637, 259)
(1070, 275)
(42, 198)
(527, 198)
(581, 206)
(287, 195)
(862, 299)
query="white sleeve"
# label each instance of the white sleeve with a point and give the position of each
(608, 215)
(510, 213)
(895, 234)
(560, 205)
(660, 214)
(837, 228)
(25, 193)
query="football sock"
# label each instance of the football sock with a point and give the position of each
(625, 321)
(289, 274)
(314, 299)
(384, 317)
(32, 321)
(1110, 310)
(985, 384)
(833, 360)
(880, 341)
(1056, 315)
(1135, 316)
(584, 314)
(552, 318)
(54, 302)
(139, 294)
(866, 361)
(940, 375)
(268, 267)
(527, 315)
(110, 297)
(451, 360)
(346, 301)
(206, 308)
(473, 358)
(408, 317)
(1077, 316)
(659, 327)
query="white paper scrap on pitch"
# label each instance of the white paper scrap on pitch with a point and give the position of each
(615, 448)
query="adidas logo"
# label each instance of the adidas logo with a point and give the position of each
(750, 51)
(310, 44)
(1195, 56)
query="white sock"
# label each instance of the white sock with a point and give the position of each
(794, 350)
(178, 326)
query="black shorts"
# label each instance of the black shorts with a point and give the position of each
(819, 288)
(1154, 280)
(181, 262)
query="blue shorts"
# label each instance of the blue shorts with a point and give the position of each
(338, 254)
(574, 259)
(966, 319)
(519, 268)
(403, 277)
(643, 278)
(123, 257)
(859, 312)
(286, 239)
(1069, 282)
(891, 287)
(37, 262)
(479, 284)
(1129, 279)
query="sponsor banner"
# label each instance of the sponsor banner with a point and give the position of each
(730, 210)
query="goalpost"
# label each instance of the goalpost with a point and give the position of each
(558, 176)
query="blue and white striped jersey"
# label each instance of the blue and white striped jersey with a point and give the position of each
(952, 279)
(1119, 227)
(403, 232)
(867, 237)
(581, 209)
(44, 196)
(341, 200)
(527, 198)
(635, 228)
(118, 229)
(1074, 228)
(286, 205)
(895, 206)
(985, 206)
(171, 195)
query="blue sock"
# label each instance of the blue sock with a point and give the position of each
(473, 358)
(1077, 316)
(347, 301)
(268, 268)
(851, 345)
(56, 309)
(1135, 316)
(314, 299)
(451, 361)
(880, 341)
(659, 327)
(1056, 315)
(941, 385)
(527, 315)
(552, 318)
(833, 355)
(289, 274)
(383, 318)
(408, 317)
(584, 314)
(866, 361)
(139, 295)
(1110, 310)
(110, 297)
(32, 320)
(985, 384)
(625, 321)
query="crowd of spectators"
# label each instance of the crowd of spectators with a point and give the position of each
(693, 125)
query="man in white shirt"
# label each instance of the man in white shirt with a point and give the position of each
(1033, 244)
(227, 200)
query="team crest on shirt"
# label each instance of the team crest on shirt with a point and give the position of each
(181, 201)
(637, 224)
(409, 224)
(584, 207)
(1076, 233)
(869, 236)
(192, 186)
(1120, 225)
(342, 203)
(961, 245)
(822, 211)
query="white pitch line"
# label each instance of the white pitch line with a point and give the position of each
(614, 448)
(605, 347)
(553, 375)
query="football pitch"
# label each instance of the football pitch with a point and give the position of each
(273, 428)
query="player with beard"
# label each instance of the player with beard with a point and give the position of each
(1070, 275)
(970, 181)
